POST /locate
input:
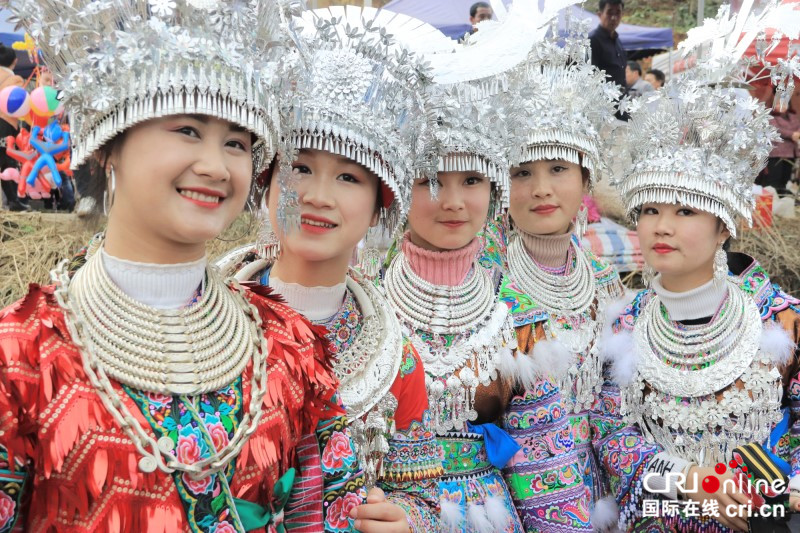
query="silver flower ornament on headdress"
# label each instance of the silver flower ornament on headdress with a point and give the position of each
(567, 102)
(701, 140)
(354, 91)
(121, 62)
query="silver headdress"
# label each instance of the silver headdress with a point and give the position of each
(702, 139)
(567, 102)
(478, 107)
(121, 62)
(354, 91)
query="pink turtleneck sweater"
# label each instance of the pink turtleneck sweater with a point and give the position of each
(441, 268)
(547, 250)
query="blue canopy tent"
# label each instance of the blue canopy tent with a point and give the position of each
(8, 36)
(451, 17)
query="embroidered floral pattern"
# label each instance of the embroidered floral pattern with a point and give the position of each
(342, 475)
(197, 427)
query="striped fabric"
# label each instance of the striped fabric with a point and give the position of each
(614, 244)
(304, 508)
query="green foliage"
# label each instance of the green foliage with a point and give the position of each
(680, 15)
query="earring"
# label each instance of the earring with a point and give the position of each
(108, 199)
(369, 257)
(268, 246)
(582, 221)
(648, 273)
(720, 265)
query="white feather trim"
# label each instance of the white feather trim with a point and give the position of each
(605, 515)
(552, 359)
(451, 516)
(776, 342)
(618, 350)
(497, 512)
(507, 364)
(610, 344)
(478, 521)
(527, 371)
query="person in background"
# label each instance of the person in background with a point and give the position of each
(633, 78)
(478, 12)
(9, 126)
(656, 78)
(607, 51)
(45, 77)
(780, 165)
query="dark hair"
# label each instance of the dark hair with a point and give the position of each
(7, 56)
(477, 5)
(634, 66)
(658, 75)
(604, 3)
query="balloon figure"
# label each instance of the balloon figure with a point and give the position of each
(55, 140)
(19, 148)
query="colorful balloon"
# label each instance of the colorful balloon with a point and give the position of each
(44, 101)
(15, 101)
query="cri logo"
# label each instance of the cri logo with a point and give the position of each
(711, 483)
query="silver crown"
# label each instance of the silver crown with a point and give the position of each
(480, 114)
(701, 140)
(352, 90)
(121, 62)
(567, 102)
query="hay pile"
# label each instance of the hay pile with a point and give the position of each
(32, 244)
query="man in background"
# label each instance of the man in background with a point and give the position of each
(607, 51)
(633, 78)
(655, 78)
(479, 11)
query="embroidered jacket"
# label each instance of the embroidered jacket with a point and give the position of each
(624, 451)
(68, 466)
(555, 479)
(412, 462)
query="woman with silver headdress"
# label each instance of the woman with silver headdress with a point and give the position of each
(704, 364)
(555, 290)
(141, 392)
(354, 112)
(447, 306)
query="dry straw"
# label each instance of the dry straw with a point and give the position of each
(32, 244)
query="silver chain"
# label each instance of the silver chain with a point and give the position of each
(80, 294)
(440, 309)
(566, 294)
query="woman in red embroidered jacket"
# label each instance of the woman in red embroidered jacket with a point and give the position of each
(141, 392)
(350, 168)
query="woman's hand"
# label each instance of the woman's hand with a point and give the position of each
(794, 501)
(727, 495)
(379, 516)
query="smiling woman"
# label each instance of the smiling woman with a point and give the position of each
(348, 167)
(190, 173)
(156, 396)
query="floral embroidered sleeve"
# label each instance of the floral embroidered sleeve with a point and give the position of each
(19, 392)
(623, 454)
(12, 491)
(621, 449)
(790, 321)
(342, 475)
(413, 463)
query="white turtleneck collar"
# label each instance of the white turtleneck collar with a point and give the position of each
(316, 303)
(701, 302)
(161, 286)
